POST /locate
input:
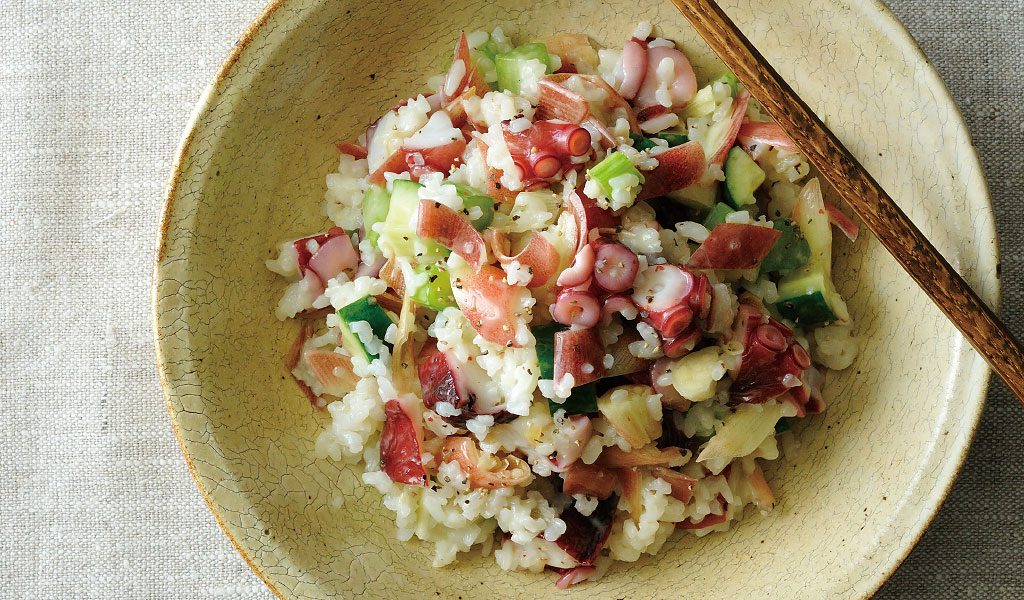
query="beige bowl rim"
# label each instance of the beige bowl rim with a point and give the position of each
(901, 37)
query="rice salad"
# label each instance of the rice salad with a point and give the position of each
(568, 304)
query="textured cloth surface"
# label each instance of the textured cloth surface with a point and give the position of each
(95, 500)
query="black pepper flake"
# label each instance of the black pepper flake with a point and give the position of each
(497, 185)
(515, 217)
(433, 278)
(437, 205)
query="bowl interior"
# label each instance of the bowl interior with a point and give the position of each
(870, 471)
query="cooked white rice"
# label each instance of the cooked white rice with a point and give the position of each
(521, 525)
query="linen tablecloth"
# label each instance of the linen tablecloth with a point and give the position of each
(95, 500)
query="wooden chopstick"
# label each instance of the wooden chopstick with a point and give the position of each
(862, 193)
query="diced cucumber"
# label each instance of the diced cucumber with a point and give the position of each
(642, 143)
(673, 139)
(742, 178)
(807, 298)
(375, 209)
(436, 291)
(646, 143)
(717, 215)
(400, 225)
(399, 229)
(512, 66)
(701, 197)
(789, 253)
(809, 310)
(365, 309)
(545, 336)
(582, 400)
(472, 197)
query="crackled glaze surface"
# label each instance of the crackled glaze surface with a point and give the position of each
(871, 470)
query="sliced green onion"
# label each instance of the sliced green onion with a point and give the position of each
(618, 179)
(474, 198)
(512, 65)
(436, 291)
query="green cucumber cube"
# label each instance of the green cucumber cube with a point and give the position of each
(646, 143)
(376, 202)
(789, 253)
(582, 400)
(365, 310)
(742, 178)
(717, 215)
(545, 336)
(399, 227)
(805, 298)
(700, 197)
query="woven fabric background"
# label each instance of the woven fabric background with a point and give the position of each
(95, 500)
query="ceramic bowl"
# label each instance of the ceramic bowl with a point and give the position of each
(871, 471)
